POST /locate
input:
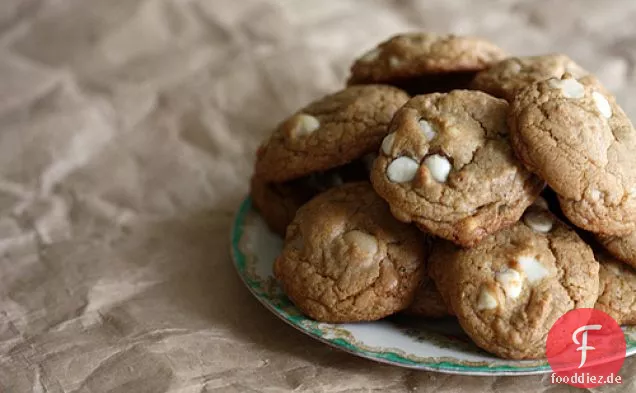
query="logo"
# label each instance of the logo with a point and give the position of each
(586, 348)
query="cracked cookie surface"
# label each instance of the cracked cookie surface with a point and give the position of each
(447, 165)
(328, 133)
(346, 259)
(622, 248)
(617, 290)
(573, 135)
(405, 57)
(505, 78)
(509, 290)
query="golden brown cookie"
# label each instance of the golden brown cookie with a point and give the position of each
(428, 302)
(617, 290)
(573, 134)
(505, 78)
(278, 202)
(434, 62)
(622, 248)
(329, 133)
(447, 165)
(347, 259)
(508, 291)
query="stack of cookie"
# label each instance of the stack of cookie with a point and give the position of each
(418, 188)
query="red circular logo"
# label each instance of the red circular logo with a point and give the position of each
(586, 348)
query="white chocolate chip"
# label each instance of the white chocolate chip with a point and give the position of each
(363, 241)
(371, 55)
(305, 124)
(486, 300)
(402, 170)
(394, 62)
(541, 222)
(427, 130)
(438, 166)
(602, 104)
(595, 194)
(570, 88)
(510, 281)
(387, 144)
(542, 203)
(534, 270)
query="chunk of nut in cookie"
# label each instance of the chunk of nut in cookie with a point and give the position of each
(539, 221)
(486, 300)
(387, 144)
(570, 88)
(402, 169)
(427, 130)
(389, 277)
(438, 166)
(511, 282)
(305, 125)
(534, 269)
(602, 104)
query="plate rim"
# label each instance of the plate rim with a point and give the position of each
(239, 260)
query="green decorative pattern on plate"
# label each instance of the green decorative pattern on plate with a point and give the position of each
(435, 345)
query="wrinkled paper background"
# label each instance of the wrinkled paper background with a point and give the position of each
(127, 134)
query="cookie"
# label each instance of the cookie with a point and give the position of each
(505, 78)
(346, 259)
(573, 135)
(329, 133)
(617, 290)
(510, 289)
(278, 202)
(428, 302)
(431, 61)
(622, 248)
(447, 165)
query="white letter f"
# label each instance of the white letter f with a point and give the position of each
(584, 347)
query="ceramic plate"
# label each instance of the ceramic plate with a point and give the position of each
(402, 341)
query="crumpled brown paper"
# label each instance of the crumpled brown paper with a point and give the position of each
(127, 134)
